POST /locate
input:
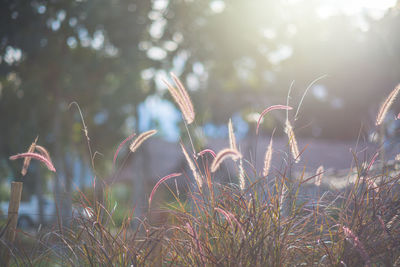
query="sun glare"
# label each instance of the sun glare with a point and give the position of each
(374, 8)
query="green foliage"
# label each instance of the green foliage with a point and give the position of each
(54, 53)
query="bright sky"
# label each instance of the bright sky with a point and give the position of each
(375, 8)
(349, 7)
(354, 6)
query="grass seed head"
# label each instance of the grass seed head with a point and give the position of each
(192, 167)
(224, 154)
(140, 139)
(43, 151)
(319, 175)
(265, 111)
(386, 105)
(242, 181)
(182, 98)
(36, 156)
(292, 141)
(121, 145)
(232, 139)
(267, 159)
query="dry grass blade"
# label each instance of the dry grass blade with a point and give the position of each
(222, 155)
(386, 105)
(140, 139)
(229, 217)
(372, 161)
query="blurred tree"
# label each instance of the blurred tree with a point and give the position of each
(56, 52)
(247, 53)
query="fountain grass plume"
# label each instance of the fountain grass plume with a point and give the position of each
(319, 175)
(162, 180)
(36, 156)
(222, 155)
(182, 98)
(185, 96)
(242, 181)
(207, 150)
(268, 157)
(386, 105)
(179, 100)
(43, 151)
(265, 111)
(121, 145)
(192, 167)
(140, 139)
(292, 141)
(392, 220)
(232, 139)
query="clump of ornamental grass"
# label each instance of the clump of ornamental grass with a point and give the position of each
(266, 219)
(354, 227)
(238, 229)
(90, 237)
(270, 223)
(94, 239)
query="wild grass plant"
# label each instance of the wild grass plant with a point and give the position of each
(266, 218)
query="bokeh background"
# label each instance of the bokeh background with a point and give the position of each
(235, 57)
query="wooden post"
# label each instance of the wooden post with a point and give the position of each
(13, 206)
